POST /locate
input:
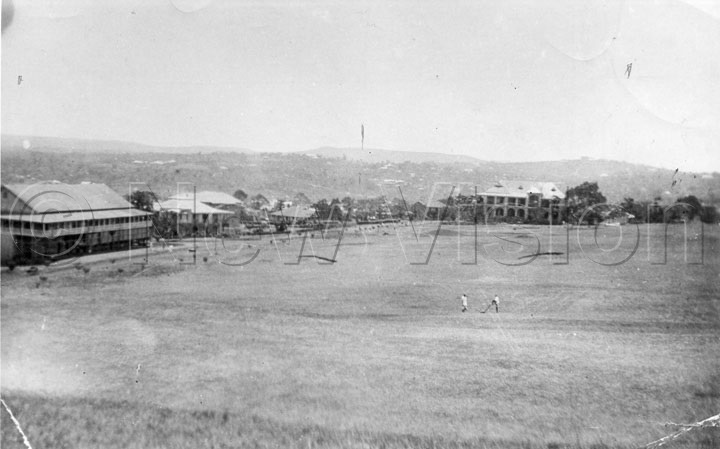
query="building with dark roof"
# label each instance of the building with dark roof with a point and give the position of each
(51, 220)
(298, 216)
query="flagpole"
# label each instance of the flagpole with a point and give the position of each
(362, 137)
(362, 150)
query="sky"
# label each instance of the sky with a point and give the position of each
(504, 81)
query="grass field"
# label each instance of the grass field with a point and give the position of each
(373, 351)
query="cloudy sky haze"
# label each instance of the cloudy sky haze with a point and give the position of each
(515, 80)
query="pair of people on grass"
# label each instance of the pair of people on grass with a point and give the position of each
(495, 302)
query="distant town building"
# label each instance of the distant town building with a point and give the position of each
(218, 200)
(189, 211)
(521, 199)
(48, 220)
(508, 200)
(297, 215)
(435, 210)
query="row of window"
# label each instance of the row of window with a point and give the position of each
(6, 223)
(510, 201)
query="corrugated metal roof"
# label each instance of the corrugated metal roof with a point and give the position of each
(189, 206)
(295, 212)
(60, 217)
(58, 197)
(209, 197)
(521, 189)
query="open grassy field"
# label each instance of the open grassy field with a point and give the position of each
(598, 345)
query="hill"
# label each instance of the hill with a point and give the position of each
(314, 173)
(68, 145)
(378, 155)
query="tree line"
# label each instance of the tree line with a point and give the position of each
(584, 204)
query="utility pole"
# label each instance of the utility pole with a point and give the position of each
(194, 225)
(148, 219)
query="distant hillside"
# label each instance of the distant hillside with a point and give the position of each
(377, 155)
(65, 145)
(327, 173)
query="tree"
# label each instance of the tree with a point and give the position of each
(348, 202)
(691, 207)
(397, 208)
(142, 200)
(322, 209)
(336, 210)
(301, 199)
(468, 208)
(655, 211)
(165, 225)
(371, 207)
(709, 214)
(258, 201)
(638, 210)
(240, 194)
(581, 198)
(418, 211)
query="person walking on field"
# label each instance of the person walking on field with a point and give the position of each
(464, 302)
(496, 302)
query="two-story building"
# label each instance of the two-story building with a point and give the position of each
(522, 199)
(508, 200)
(49, 220)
